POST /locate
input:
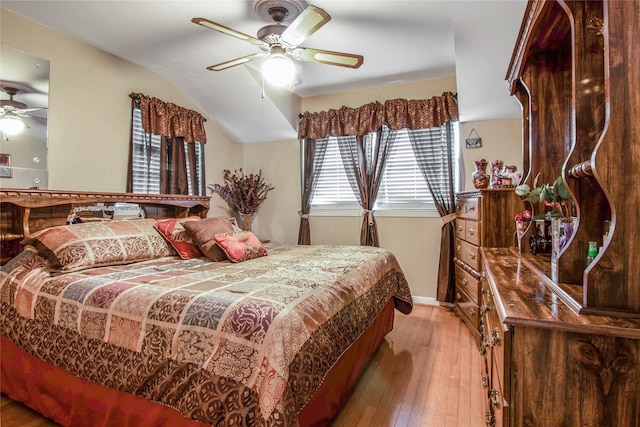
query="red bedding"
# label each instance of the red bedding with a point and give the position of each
(222, 343)
(73, 401)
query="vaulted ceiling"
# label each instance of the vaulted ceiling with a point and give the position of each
(401, 41)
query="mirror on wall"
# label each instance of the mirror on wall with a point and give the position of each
(24, 102)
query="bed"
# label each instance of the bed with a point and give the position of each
(277, 338)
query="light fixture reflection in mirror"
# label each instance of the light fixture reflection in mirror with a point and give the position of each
(11, 125)
(24, 99)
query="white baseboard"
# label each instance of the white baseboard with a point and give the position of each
(425, 300)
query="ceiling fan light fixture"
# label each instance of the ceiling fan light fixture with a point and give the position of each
(278, 70)
(11, 125)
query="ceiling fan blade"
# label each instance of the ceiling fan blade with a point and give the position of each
(328, 57)
(237, 61)
(308, 22)
(226, 30)
(41, 120)
(27, 110)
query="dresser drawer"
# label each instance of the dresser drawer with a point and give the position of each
(472, 232)
(461, 228)
(469, 309)
(468, 253)
(468, 208)
(498, 338)
(468, 283)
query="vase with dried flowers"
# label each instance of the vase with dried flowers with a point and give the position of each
(245, 193)
(558, 198)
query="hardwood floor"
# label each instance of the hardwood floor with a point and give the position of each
(426, 373)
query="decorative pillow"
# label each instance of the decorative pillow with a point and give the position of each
(178, 237)
(241, 246)
(93, 244)
(202, 233)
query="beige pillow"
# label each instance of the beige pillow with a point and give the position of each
(94, 244)
(202, 232)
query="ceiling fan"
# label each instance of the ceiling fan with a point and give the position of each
(12, 111)
(12, 107)
(280, 40)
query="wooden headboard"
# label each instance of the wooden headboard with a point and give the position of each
(23, 212)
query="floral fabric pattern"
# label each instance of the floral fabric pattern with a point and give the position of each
(177, 236)
(241, 246)
(223, 343)
(80, 246)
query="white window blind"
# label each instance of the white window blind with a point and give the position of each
(333, 189)
(403, 186)
(145, 161)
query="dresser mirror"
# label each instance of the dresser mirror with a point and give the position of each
(24, 97)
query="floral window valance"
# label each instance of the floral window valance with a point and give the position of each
(395, 113)
(170, 120)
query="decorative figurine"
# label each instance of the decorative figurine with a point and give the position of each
(480, 176)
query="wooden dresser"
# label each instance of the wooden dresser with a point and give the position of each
(546, 365)
(566, 352)
(483, 218)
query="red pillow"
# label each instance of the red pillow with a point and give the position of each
(177, 236)
(241, 246)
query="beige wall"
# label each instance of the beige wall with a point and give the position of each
(89, 125)
(89, 110)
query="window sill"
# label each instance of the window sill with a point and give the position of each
(414, 213)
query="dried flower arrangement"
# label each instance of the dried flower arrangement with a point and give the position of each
(244, 193)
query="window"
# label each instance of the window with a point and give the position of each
(146, 158)
(403, 186)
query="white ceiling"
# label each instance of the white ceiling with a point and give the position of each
(401, 41)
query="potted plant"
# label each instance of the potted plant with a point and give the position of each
(558, 198)
(244, 193)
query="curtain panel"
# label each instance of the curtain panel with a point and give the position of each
(312, 159)
(364, 159)
(396, 114)
(444, 199)
(170, 120)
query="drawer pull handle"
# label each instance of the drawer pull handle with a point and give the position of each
(458, 248)
(485, 382)
(459, 228)
(458, 295)
(482, 349)
(472, 312)
(489, 420)
(472, 255)
(494, 396)
(464, 281)
(469, 209)
(495, 337)
(471, 231)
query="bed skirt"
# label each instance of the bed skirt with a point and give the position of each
(73, 401)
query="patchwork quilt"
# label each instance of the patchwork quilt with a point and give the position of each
(223, 343)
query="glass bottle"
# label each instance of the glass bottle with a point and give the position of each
(592, 252)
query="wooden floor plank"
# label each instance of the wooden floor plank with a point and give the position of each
(426, 373)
